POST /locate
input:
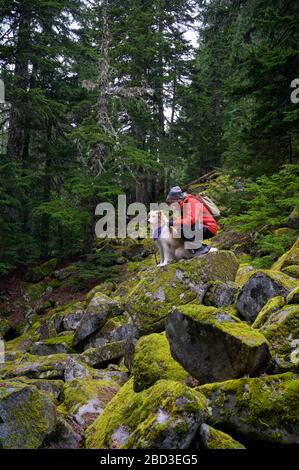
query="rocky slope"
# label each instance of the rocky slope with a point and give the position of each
(199, 354)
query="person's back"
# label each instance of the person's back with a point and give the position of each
(194, 217)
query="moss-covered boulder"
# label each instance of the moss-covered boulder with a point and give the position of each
(290, 258)
(99, 309)
(221, 294)
(66, 435)
(66, 272)
(57, 366)
(213, 345)
(35, 367)
(103, 355)
(263, 408)
(260, 287)
(293, 219)
(52, 388)
(292, 271)
(76, 368)
(105, 288)
(68, 317)
(153, 362)
(85, 400)
(282, 331)
(152, 299)
(56, 345)
(244, 273)
(24, 342)
(118, 328)
(38, 273)
(211, 438)
(293, 297)
(27, 416)
(273, 305)
(165, 416)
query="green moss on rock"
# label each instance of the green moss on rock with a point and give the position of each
(214, 439)
(293, 297)
(263, 408)
(282, 332)
(27, 416)
(38, 273)
(272, 306)
(159, 289)
(292, 271)
(153, 361)
(86, 399)
(56, 345)
(290, 258)
(167, 415)
(244, 273)
(213, 345)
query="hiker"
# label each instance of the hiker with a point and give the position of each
(193, 214)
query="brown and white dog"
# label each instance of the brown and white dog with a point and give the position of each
(170, 248)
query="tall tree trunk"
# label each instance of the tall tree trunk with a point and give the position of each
(21, 75)
(47, 182)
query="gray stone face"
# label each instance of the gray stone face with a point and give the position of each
(213, 346)
(43, 349)
(113, 332)
(261, 287)
(221, 294)
(97, 357)
(97, 313)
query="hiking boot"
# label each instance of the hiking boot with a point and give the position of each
(203, 250)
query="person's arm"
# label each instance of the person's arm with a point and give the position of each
(192, 212)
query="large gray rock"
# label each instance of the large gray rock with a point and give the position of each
(160, 289)
(221, 294)
(68, 319)
(263, 408)
(262, 286)
(27, 416)
(58, 366)
(213, 345)
(118, 328)
(281, 329)
(52, 388)
(66, 435)
(56, 345)
(102, 355)
(99, 309)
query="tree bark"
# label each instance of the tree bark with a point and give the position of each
(21, 75)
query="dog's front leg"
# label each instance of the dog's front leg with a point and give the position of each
(161, 251)
(167, 255)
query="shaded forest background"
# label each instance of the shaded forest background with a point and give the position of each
(106, 98)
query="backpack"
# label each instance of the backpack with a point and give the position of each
(210, 205)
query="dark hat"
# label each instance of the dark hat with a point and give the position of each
(175, 193)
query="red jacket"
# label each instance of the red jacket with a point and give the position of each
(192, 211)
